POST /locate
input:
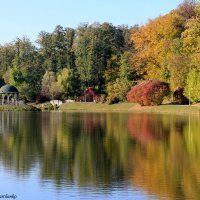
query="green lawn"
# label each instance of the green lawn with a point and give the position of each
(130, 107)
(120, 107)
(169, 109)
(96, 107)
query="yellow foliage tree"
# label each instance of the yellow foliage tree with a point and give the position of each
(153, 43)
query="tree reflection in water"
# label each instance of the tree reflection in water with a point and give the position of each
(167, 158)
(20, 141)
(68, 147)
(159, 154)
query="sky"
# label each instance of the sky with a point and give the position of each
(20, 18)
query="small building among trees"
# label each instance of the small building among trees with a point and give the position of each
(89, 95)
(9, 94)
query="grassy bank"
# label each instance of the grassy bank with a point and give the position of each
(18, 108)
(96, 107)
(130, 107)
(168, 109)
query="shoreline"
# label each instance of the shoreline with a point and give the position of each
(15, 108)
(130, 108)
(119, 108)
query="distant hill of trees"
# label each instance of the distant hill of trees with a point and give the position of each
(108, 58)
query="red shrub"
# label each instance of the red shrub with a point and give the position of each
(148, 93)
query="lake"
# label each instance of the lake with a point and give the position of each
(58, 155)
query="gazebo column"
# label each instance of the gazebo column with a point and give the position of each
(16, 98)
(13, 99)
(8, 98)
(3, 95)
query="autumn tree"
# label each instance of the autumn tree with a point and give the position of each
(191, 39)
(153, 43)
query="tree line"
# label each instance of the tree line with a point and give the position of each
(109, 58)
(63, 63)
(167, 48)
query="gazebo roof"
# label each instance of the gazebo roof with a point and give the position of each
(8, 89)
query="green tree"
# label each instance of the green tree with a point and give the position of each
(98, 48)
(26, 68)
(70, 35)
(179, 66)
(64, 82)
(117, 89)
(50, 89)
(192, 88)
(57, 48)
(83, 55)
(7, 54)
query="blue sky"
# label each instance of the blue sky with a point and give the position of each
(28, 17)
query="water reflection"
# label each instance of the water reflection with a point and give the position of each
(159, 154)
(166, 161)
(20, 141)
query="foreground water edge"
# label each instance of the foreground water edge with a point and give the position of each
(102, 155)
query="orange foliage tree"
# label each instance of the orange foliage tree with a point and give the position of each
(152, 45)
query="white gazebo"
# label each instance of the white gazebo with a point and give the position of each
(9, 94)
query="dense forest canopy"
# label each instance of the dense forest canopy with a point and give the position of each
(109, 58)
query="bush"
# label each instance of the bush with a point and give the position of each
(117, 90)
(102, 98)
(148, 93)
(46, 106)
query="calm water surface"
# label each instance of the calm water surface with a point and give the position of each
(53, 155)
